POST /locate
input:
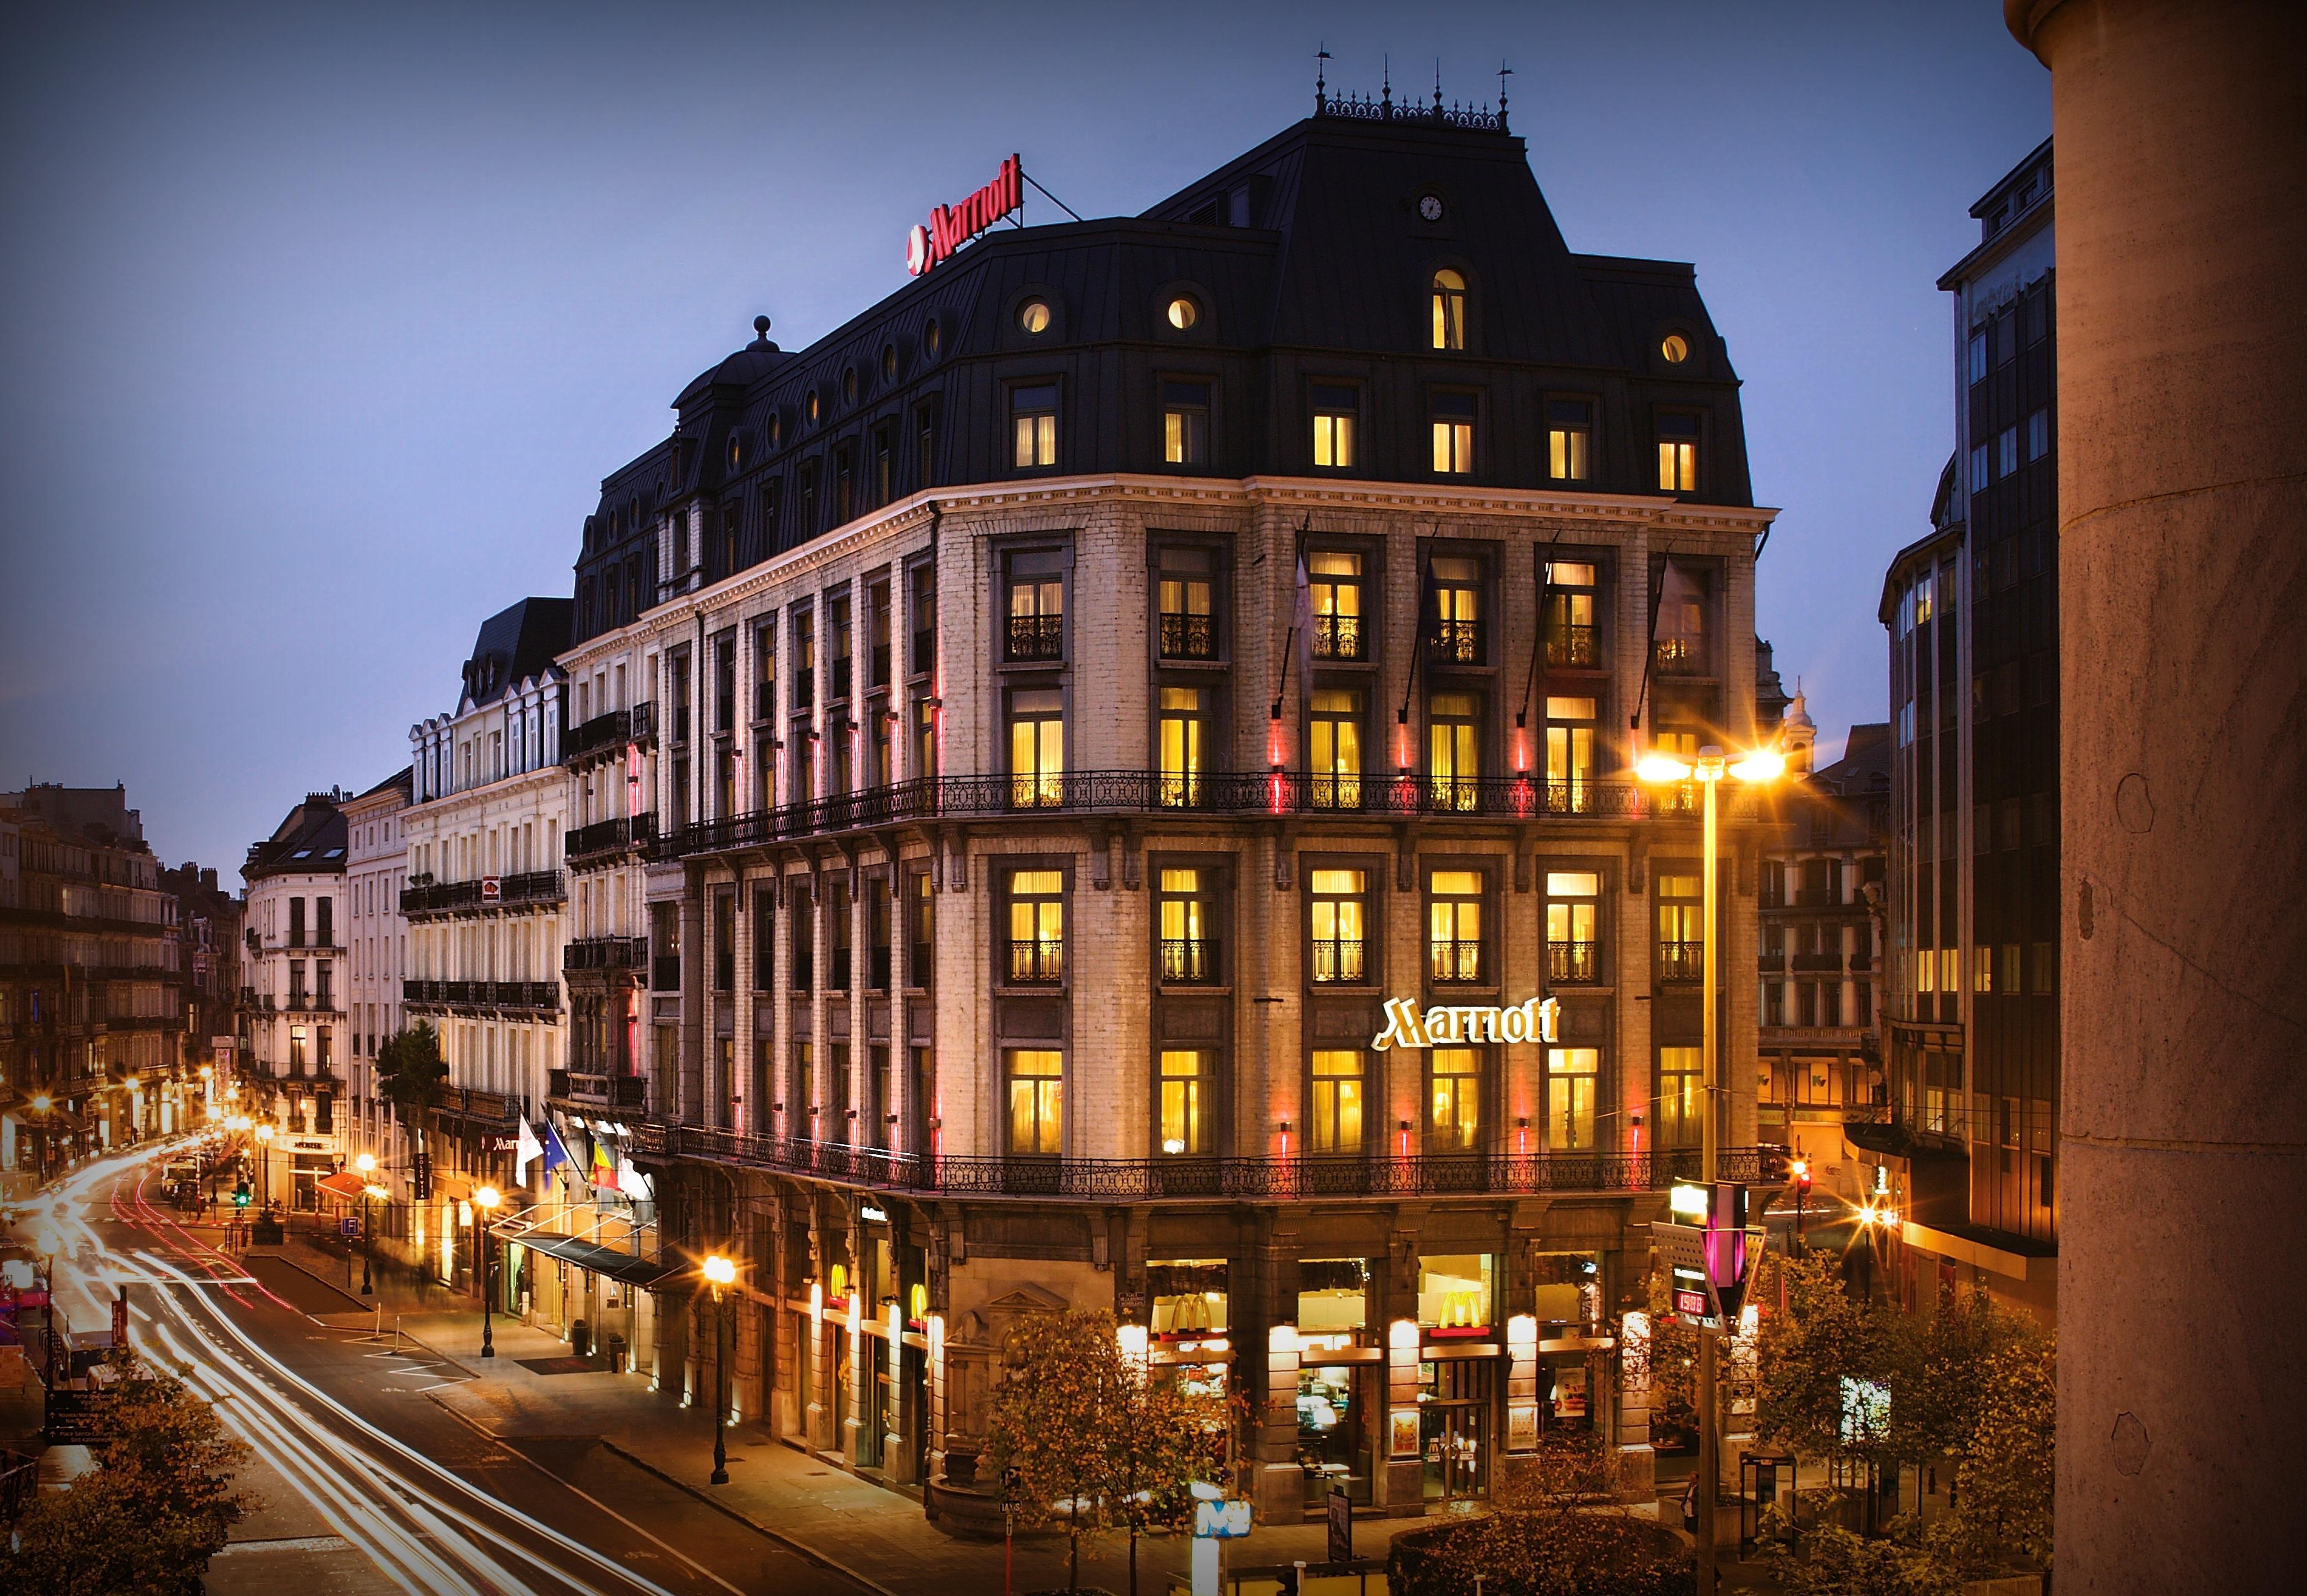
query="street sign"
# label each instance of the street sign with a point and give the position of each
(77, 1418)
(348, 1227)
(1220, 1521)
(120, 1318)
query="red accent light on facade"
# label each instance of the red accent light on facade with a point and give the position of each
(950, 227)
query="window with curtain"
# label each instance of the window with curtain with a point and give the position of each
(1571, 1074)
(1037, 748)
(1453, 763)
(1454, 925)
(1453, 1100)
(1455, 632)
(1449, 307)
(1681, 928)
(1677, 453)
(1037, 927)
(1680, 1097)
(1186, 1097)
(1188, 953)
(1453, 426)
(1183, 591)
(1569, 439)
(1569, 754)
(1335, 1102)
(1334, 579)
(1337, 415)
(1037, 1100)
(1339, 903)
(1570, 641)
(1334, 738)
(1572, 909)
(1185, 423)
(1033, 426)
(1179, 737)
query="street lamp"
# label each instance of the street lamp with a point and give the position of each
(41, 1104)
(1709, 769)
(366, 1164)
(264, 1160)
(486, 1199)
(49, 1243)
(1800, 1170)
(719, 1273)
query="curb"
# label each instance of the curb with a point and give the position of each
(358, 1306)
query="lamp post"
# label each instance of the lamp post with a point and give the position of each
(486, 1199)
(1800, 1170)
(366, 1164)
(264, 1162)
(49, 1243)
(41, 1104)
(719, 1273)
(1708, 769)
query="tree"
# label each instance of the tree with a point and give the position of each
(1672, 1363)
(1050, 1430)
(1164, 1436)
(409, 1069)
(1835, 1562)
(156, 1508)
(2003, 1484)
(1825, 1339)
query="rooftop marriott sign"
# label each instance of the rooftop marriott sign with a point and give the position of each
(950, 227)
(1530, 1021)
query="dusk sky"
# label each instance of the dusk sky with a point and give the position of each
(320, 325)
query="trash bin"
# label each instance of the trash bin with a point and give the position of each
(613, 1346)
(581, 1338)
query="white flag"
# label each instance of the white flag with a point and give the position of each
(632, 1183)
(525, 1151)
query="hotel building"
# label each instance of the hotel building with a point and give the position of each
(1031, 746)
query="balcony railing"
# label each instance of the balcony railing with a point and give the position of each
(605, 952)
(623, 1091)
(1186, 637)
(1338, 960)
(1571, 648)
(1189, 958)
(1576, 795)
(1571, 962)
(1313, 1177)
(1036, 963)
(1681, 961)
(1455, 962)
(1337, 637)
(1772, 963)
(1679, 656)
(1819, 961)
(607, 733)
(605, 841)
(531, 888)
(529, 997)
(1245, 793)
(1455, 642)
(1036, 638)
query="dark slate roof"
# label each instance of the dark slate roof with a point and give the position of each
(404, 778)
(514, 644)
(310, 838)
(1864, 766)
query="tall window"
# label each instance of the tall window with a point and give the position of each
(1681, 928)
(1334, 579)
(1184, 423)
(804, 646)
(1185, 1103)
(1335, 735)
(922, 615)
(1339, 901)
(1037, 1101)
(877, 610)
(1681, 1098)
(1037, 748)
(1449, 310)
(1457, 634)
(1184, 591)
(1033, 426)
(724, 683)
(885, 459)
(838, 945)
(1453, 422)
(1570, 640)
(765, 670)
(1569, 439)
(1681, 647)
(1677, 454)
(1571, 1073)
(1334, 1118)
(921, 927)
(1188, 952)
(1337, 412)
(1037, 608)
(843, 636)
(1180, 738)
(1573, 904)
(1569, 754)
(1453, 1100)
(1454, 764)
(925, 763)
(801, 925)
(1037, 927)
(724, 941)
(1454, 925)
(765, 947)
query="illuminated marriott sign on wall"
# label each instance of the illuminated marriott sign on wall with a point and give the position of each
(950, 227)
(1530, 1020)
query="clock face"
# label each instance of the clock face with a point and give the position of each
(1429, 206)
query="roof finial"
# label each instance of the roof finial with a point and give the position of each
(1505, 72)
(1437, 85)
(1321, 62)
(1385, 82)
(760, 333)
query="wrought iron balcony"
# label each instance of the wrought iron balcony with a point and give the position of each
(1338, 960)
(1338, 637)
(1571, 963)
(1679, 656)
(1036, 963)
(605, 842)
(604, 735)
(1681, 961)
(1035, 637)
(529, 889)
(1186, 637)
(525, 996)
(1190, 960)
(605, 952)
(1455, 962)
(1572, 648)
(1454, 641)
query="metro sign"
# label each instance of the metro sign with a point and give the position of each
(950, 227)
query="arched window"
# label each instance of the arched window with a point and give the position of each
(1449, 310)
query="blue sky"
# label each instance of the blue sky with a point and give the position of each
(319, 326)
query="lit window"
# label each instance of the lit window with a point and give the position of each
(1185, 423)
(1570, 637)
(1033, 423)
(1334, 1125)
(1449, 310)
(1454, 1097)
(1454, 925)
(1336, 412)
(1677, 454)
(1675, 348)
(1033, 316)
(1037, 927)
(1338, 904)
(1573, 901)
(1453, 434)
(1184, 1108)
(1187, 953)
(1569, 756)
(1180, 738)
(1681, 922)
(1183, 313)
(1037, 1100)
(1334, 581)
(1569, 439)
(1681, 1076)
(1571, 1073)
(1037, 740)
(1335, 736)
(1453, 766)
(1186, 629)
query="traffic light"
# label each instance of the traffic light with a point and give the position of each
(240, 1195)
(1802, 1175)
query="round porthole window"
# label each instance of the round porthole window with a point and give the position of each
(849, 386)
(1183, 313)
(1033, 316)
(809, 407)
(933, 339)
(1675, 348)
(888, 363)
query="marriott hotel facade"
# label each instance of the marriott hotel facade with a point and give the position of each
(1103, 783)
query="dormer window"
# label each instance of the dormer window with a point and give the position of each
(1449, 310)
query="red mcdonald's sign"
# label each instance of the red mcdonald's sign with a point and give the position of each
(950, 227)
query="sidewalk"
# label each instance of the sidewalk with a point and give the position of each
(878, 1535)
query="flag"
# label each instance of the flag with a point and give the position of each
(632, 1183)
(526, 1151)
(556, 1153)
(1303, 618)
(605, 1168)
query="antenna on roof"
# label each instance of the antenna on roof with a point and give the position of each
(1321, 84)
(1505, 72)
(1386, 80)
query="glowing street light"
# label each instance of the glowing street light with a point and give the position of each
(366, 1164)
(719, 1273)
(486, 1199)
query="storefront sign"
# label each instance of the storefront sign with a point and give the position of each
(1531, 1021)
(950, 227)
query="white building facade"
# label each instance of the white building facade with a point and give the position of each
(293, 965)
(376, 871)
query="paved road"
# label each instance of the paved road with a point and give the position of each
(341, 1417)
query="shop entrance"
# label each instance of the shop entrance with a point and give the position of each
(1333, 1447)
(1455, 1426)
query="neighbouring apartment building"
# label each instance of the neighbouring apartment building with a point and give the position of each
(1104, 782)
(1972, 612)
(292, 1019)
(484, 905)
(208, 968)
(91, 1012)
(376, 949)
(1821, 912)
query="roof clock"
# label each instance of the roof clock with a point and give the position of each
(1429, 206)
